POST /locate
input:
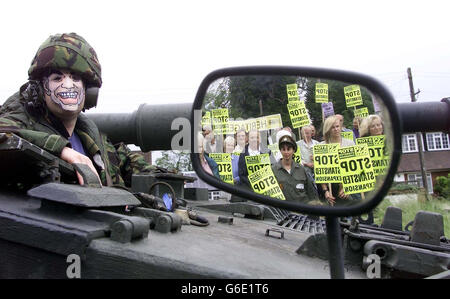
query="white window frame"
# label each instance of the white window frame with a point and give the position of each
(214, 195)
(418, 177)
(406, 148)
(442, 137)
(412, 137)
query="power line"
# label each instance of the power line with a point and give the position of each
(389, 74)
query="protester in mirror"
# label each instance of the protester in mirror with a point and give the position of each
(208, 164)
(294, 182)
(371, 126)
(341, 122)
(241, 141)
(332, 134)
(253, 148)
(229, 147)
(209, 143)
(356, 123)
(306, 149)
(314, 134)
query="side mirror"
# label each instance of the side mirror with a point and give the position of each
(240, 119)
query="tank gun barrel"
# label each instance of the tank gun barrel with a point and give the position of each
(149, 127)
(434, 114)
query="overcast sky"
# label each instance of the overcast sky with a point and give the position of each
(159, 52)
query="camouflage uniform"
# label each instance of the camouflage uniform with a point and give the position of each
(26, 114)
(296, 184)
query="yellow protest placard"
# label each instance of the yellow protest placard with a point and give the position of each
(292, 92)
(353, 96)
(224, 164)
(206, 119)
(274, 121)
(274, 150)
(326, 163)
(380, 161)
(298, 114)
(220, 120)
(297, 157)
(356, 169)
(254, 163)
(321, 93)
(347, 135)
(250, 124)
(263, 181)
(362, 112)
(238, 125)
(261, 123)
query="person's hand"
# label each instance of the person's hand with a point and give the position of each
(342, 195)
(330, 198)
(71, 156)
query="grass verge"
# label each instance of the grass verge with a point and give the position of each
(410, 209)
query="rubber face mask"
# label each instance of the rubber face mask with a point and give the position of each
(65, 89)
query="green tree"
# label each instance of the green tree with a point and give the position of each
(217, 95)
(443, 186)
(177, 160)
(254, 96)
(248, 95)
(337, 97)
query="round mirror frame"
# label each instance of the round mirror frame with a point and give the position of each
(368, 82)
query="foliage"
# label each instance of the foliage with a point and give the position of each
(246, 96)
(410, 209)
(404, 187)
(442, 187)
(337, 97)
(254, 96)
(247, 92)
(178, 160)
(217, 95)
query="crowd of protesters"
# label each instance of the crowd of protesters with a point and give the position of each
(296, 180)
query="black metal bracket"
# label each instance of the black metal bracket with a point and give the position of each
(275, 230)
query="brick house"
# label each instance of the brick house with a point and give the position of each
(436, 146)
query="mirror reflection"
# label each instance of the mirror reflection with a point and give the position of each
(308, 140)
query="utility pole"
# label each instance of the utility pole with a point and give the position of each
(419, 137)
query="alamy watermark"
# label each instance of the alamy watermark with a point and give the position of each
(181, 141)
(374, 266)
(74, 268)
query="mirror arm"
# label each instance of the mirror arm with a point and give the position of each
(335, 252)
(425, 116)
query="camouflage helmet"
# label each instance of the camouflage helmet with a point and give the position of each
(67, 51)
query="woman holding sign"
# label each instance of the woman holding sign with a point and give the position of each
(356, 121)
(306, 149)
(332, 134)
(253, 148)
(371, 126)
(208, 164)
(229, 146)
(292, 178)
(241, 141)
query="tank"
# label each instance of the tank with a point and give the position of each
(53, 228)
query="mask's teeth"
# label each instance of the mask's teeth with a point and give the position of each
(72, 95)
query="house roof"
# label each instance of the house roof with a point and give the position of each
(434, 161)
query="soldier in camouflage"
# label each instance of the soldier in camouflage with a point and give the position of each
(47, 111)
